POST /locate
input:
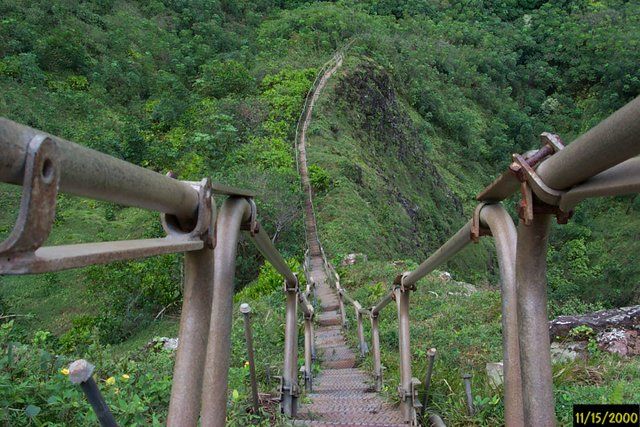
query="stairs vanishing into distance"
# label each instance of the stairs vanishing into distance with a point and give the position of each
(343, 395)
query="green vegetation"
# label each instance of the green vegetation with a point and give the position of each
(431, 100)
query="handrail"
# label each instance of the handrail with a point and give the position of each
(45, 165)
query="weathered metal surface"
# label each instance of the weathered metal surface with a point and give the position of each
(38, 203)
(290, 391)
(431, 357)
(64, 257)
(245, 309)
(504, 233)
(407, 397)
(620, 179)
(80, 372)
(186, 387)
(466, 378)
(89, 173)
(232, 214)
(535, 352)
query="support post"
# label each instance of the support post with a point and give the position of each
(375, 342)
(408, 391)
(246, 314)
(431, 357)
(81, 373)
(343, 315)
(233, 213)
(535, 353)
(289, 387)
(308, 352)
(363, 343)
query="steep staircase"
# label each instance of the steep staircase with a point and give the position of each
(343, 394)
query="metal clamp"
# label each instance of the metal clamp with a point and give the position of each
(38, 204)
(546, 199)
(295, 287)
(205, 220)
(252, 226)
(477, 230)
(399, 282)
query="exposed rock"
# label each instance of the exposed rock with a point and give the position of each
(567, 352)
(445, 276)
(352, 259)
(467, 289)
(495, 373)
(626, 317)
(166, 343)
(619, 341)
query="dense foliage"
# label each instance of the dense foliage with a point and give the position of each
(432, 99)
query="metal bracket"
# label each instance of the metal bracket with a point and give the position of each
(477, 230)
(252, 226)
(204, 229)
(399, 282)
(295, 287)
(38, 203)
(537, 197)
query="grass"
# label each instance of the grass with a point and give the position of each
(467, 334)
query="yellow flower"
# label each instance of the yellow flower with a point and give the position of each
(246, 364)
(125, 376)
(110, 381)
(117, 390)
(64, 371)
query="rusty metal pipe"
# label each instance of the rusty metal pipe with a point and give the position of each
(308, 352)
(620, 179)
(89, 173)
(454, 245)
(431, 357)
(612, 141)
(375, 343)
(343, 315)
(289, 401)
(268, 250)
(469, 396)
(535, 352)
(362, 343)
(233, 213)
(245, 309)
(497, 219)
(406, 403)
(186, 388)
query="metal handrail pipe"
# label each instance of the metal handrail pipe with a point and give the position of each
(612, 141)
(233, 213)
(89, 173)
(305, 306)
(497, 219)
(266, 247)
(454, 245)
(382, 303)
(609, 143)
(620, 179)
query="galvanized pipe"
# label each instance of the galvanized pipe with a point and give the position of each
(245, 309)
(233, 213)
(535, 352)
(469, 396)
(343, 315)
(612, 141)
(406, 402)
(431, 357)
(89, 173)
(81, 373)
(375, 343)
(361, 340)
(289, 403)
(186, 388)
(497, 219)
(308, 352)
(454, 245)
(268, 250)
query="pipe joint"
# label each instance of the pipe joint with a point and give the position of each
(399, 283)
(252, 226)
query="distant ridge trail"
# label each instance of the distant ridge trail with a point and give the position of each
(342, 394)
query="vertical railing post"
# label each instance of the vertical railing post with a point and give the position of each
(289, 386)
(343, 315)
(535, 353)
(233, 213)
(246, 313)
(408, 384)
(186, 389)
(431, 357)
(308, 352)
(362, 342)
(81, 373)
(375, 343)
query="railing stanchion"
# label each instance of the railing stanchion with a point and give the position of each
(431, 357)
(343, 315)
(81, 373)
(466, 378)
(362, 341)
(375, 343)
(233, 213)
(308, 352)
(535, 352)
(408, 391)
(289, 387)
(246, 314)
